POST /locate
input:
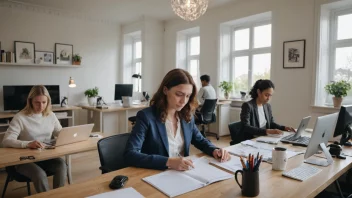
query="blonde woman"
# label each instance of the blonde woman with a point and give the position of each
(28, 129)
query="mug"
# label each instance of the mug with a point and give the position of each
(126, 101)
(279, 158)
(250, 182)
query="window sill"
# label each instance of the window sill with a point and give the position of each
(325, 109)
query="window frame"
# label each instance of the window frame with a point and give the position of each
(135, 61)
(190, 57)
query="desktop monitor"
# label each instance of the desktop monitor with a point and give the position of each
(320, 136)
(344, 125)
(15, 96)
(123, 90)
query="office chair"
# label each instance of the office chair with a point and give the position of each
(207, 116)
(111, 150)
(12, 174)
(236, 133)
(132, 119)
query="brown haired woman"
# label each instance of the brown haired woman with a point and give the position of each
(28, 129)
(163, 132)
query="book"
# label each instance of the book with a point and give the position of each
(126, 192)
(232, 165)
(173, 183)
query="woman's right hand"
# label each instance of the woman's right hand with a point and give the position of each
(179, 163)
(35, 144)
(274, 131)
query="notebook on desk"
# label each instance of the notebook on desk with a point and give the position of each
(173, 183)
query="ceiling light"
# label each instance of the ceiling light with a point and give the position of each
(189, 10)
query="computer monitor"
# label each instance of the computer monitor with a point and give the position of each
(123, 90)
(320, 136)
(15, 96)
(344, 125)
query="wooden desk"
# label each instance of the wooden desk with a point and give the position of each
(273, 183)
(11, 156)
(113, 120)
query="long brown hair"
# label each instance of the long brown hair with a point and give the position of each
(173, 78)
(37, 90)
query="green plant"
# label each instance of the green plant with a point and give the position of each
(226, 87)
(338, 89)
(92, 92)
(77, 58)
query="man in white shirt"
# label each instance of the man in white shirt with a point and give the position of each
(207, 91)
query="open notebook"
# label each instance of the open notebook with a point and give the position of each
(174, 183)
(232, 165)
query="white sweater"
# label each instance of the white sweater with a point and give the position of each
(206, 92)
(24, 129)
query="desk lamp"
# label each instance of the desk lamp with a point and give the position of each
(138, 76)
(71, 84)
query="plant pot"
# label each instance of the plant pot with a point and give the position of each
(337, 101)
(91, 101)
(76, 63)
(226, 95)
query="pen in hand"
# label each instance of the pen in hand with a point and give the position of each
(187, 161)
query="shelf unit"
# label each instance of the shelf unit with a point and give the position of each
(39, 65)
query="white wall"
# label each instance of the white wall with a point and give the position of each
(291, 20)
(96, 42)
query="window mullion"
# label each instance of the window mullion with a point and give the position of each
(250, 57)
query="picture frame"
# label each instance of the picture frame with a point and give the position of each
(24, 52)
(44, 57)
(63, 53)
(294, 54)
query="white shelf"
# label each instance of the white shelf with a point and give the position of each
(38, 65)
(61, 118)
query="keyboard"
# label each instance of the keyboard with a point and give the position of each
(302, 172)
(301, 141)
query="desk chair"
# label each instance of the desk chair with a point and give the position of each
(132, 119)
(207, 116)
(235, 132)
(111, 150)
(12, 174)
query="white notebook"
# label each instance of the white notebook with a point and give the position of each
(125, 192)
(232, 165)
(174, 183)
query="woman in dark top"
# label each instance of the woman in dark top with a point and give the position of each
(256, 115)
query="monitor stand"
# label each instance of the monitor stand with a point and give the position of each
(321, 162)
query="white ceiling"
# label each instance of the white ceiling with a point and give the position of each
(122, 11)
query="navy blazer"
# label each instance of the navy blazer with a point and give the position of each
(250, 119)
(148, 147)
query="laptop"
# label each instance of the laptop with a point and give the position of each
(297, 137)
(69, 135)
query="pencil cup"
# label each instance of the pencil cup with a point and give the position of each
(279, 157)
(250, 182)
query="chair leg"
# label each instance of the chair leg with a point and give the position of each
(337, 185)
(29, 188)
(5, 187)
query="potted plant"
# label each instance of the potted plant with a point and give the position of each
(338, 90)
(91, 94)
(76, 59)
(226, 87)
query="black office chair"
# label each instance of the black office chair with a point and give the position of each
(132, 119)
(111, 150)
(236, 133)
(12, 175)
(207, 116)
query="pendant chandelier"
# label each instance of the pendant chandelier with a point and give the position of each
(189, 10)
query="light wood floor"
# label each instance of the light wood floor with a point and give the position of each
(85, 166)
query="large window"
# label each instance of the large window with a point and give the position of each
(193, 57)
(137, 63)
(250, 54)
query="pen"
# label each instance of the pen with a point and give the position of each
(242, 162)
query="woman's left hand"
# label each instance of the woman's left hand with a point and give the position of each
(290, 129)
(221, 155)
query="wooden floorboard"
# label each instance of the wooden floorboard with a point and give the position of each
(85, 166)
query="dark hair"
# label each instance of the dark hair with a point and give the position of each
(205, 78)
(261, 85)
(173, 78)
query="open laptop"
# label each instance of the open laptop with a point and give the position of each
(297, 137)
(69, 135)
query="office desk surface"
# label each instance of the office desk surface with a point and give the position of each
(114, 108)
(272, 184)
(11, 115)
(11, 156)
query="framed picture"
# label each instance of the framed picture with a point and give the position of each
(63, 53)
(294, 54)
(24, 52)
(44, 57)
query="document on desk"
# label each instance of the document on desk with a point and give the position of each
(126, 192)
(173, 183)
(232, 165)
(269, 140)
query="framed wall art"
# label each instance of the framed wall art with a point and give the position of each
(63, 53)
(24, 52)
(294, 54)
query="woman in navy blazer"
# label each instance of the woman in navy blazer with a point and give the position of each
(163, 132)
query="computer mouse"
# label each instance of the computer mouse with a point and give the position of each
(118, 182)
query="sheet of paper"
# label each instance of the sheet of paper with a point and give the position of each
(269, 140)
(232, 165)
(126, 192)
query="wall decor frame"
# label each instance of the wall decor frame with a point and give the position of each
(24, 52)
(44, 57)
(294, 54)
(63, 53)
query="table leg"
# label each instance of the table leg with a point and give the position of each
(69, 174)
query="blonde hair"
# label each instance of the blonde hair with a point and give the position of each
(37, 90)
